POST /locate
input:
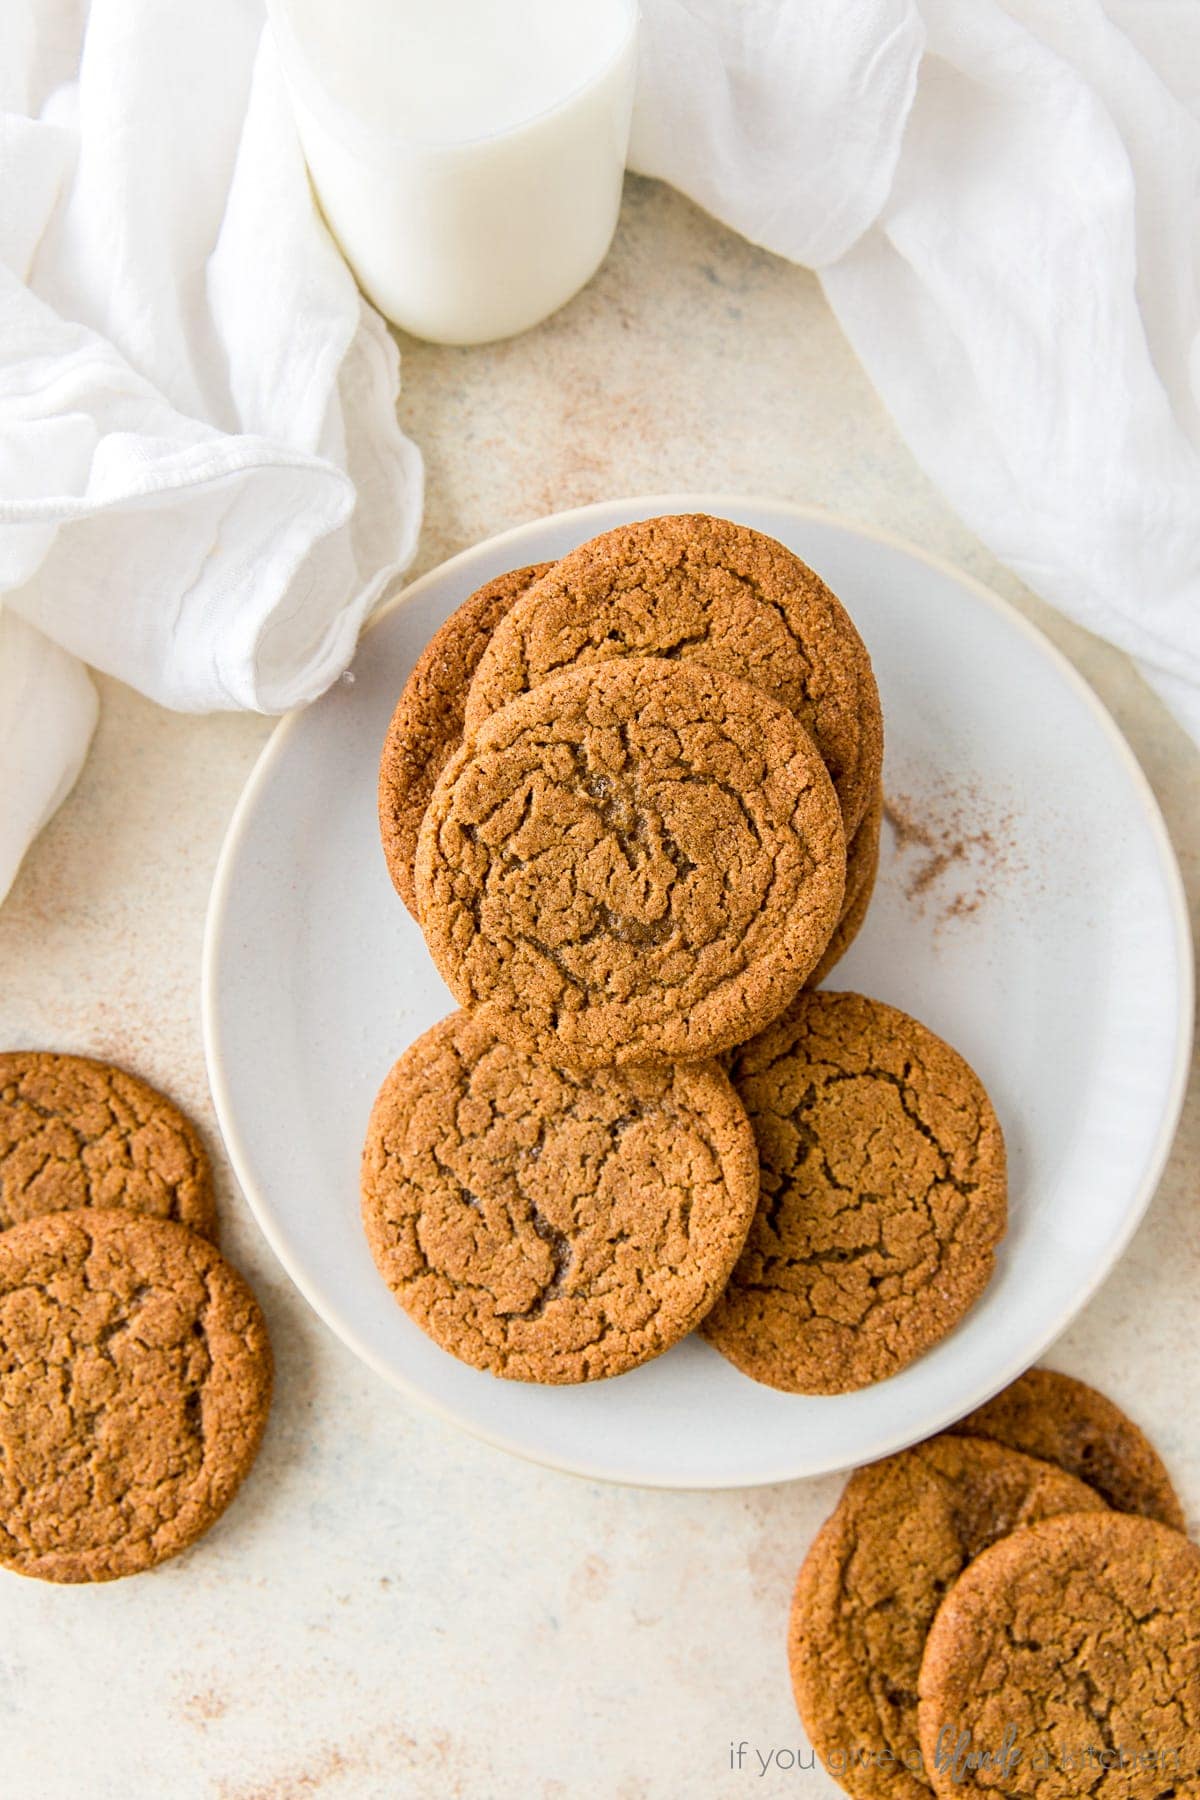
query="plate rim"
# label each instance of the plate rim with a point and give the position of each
(261, 1208)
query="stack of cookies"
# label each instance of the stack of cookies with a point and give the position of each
(633, 799)
(1009, 1608)
(135, 1369)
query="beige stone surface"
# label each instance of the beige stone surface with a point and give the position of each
(392, 1609)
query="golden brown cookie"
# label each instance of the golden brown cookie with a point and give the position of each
(546, 1226)
(1066, 1662)
(862, 866)
(427, 725)
(1067, 1422)
(74, 1132)
(135, 1378)
(635, 862)
(708, 590)
(901, 1534)
(883, 1197)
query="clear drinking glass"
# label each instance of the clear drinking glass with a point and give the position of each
(467, 154)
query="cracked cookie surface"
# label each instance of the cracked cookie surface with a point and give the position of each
(74, 1132)
(862, 866)
(703, 589)
(546, 1226)
(1065, 1421)
(636, 862)
(899, 1537)
(427, 724)
(1078, 1639)
(883, 1197)
(135, 1379)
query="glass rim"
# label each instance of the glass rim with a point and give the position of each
(356, 133)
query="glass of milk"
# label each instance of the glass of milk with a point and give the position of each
(467, 154)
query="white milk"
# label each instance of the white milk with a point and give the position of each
(467, 154)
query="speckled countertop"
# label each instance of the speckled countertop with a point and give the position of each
(391, 1608)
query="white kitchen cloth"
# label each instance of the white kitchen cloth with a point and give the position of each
(203, 486)
(1003, 200)
(48, 711)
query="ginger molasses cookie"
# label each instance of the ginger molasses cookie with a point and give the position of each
(862, 866)
(701, 589)
(427, 724)
(901, 1534)
(883, 1197)
(74, 1132)
(135, 1378)
(1067, 1422)
(547, 1226)
(633, 862)
(1066, 1662)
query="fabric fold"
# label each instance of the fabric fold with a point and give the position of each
(48, 710)
(1001, 201)
(203, 486)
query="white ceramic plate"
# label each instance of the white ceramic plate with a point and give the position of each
(1030, 910)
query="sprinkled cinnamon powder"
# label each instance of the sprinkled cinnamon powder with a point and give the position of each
(955, 846)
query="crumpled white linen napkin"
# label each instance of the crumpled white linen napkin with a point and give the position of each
(1003, 200)
(48, 710)
(203, 486)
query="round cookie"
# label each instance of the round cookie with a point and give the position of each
(1065, 1421)
(883, 1197)
(427, 725)
(901, 1534)
(74, 1132)
(550, 1227)
(634, 862)
(1069, 1655)
(862, 866)
(707, 590)
(135, 1378)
